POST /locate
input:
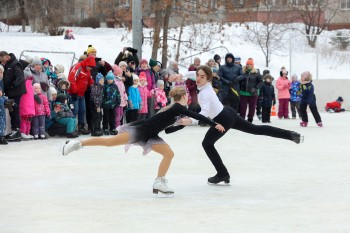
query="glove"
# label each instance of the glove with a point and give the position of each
(44, 86)
(74, 97)
(37, 99)
(253, 91)
(159, 104)
(273, 102)
(9, 104)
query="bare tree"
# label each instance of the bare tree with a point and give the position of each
(268, 35)
(317, 15)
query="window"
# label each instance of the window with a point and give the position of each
(345, 4)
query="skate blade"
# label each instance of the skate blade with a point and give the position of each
(160, 194)
(220, 184)
(301, 139)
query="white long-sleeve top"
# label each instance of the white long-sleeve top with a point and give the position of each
(209, 102)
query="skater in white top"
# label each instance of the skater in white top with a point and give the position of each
(229, 119)
(145, 134)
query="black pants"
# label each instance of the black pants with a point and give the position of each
(314, 112)
(96, 118)
(265, 114)
(229, 119)
(109, 116)
(15, 118)
(88, 106)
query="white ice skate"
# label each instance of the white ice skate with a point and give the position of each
(161, 189)
(70, 146)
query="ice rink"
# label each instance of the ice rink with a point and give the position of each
(276, 185)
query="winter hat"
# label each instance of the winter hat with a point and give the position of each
(52, 90)
(192, 68)
(29, 59)
(110, 75)
(152, 62)
(159, 64)
(82, 57)
(268, 76)
(117, 69)
(98, 77)
(143, 61)
(2, 68)
(90, 49)
(122, 63)
(59, 68)
(142, 76)
(36, 61)
(340, 99)
(44, 60)
(237, 59)
(61, 98)
(250, 62)
(61, 76)
(36, 85)
(63, 82)
(130, 59)
(217, 57)
(266, 72)
(135, 77)
(160, 82)
(27, 73)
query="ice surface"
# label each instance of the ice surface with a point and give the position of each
(276, 185)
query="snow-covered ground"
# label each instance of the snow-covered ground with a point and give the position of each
(324, 63)
(276, 185)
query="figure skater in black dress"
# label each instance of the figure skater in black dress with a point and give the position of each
(229, 119)
(145, 134)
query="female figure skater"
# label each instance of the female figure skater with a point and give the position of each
(145, 134)
(229, 119)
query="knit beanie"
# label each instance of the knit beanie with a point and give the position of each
(61, 98)
(152, 62)
(117, 69)
(59, 68)
(340, 99)
(250, 61)
(160, 82)
(142, 76)
(122, 63)
(98, 77)
(191, 75)
(135, 77)
(52, 90)
(27, 73)
(110, 75)
(36, 61)
(143, 61)
(217, 57)
(90, 49)
(130, 59)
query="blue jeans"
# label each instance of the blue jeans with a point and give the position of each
(79, 109)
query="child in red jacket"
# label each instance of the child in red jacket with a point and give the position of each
(335, 106)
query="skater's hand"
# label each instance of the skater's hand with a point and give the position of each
(185, 121)
(220, 128)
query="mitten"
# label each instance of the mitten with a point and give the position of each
(37, 99)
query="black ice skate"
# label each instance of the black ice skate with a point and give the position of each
(216, 180)
(297, 138)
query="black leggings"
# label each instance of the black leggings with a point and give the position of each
(229, 119)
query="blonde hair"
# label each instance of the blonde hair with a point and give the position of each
(307, 76)
(176, 93)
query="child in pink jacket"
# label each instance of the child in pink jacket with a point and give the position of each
(42, 109)
(26, 106)
(118, 72)
(160, 96)
(145, 94)
(283, 86)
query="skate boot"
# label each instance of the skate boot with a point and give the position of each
(297, 138)
(216, 179)
(160, 186)
(303, 124)
(3, 141)
(15, 136)
(320, 124)
(70, 146)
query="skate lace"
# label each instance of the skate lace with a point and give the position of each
(164, 181)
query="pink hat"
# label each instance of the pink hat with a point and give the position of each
(117, 69)
(142, 75)
(143, 61)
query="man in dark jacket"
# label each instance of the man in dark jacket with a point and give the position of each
(14, 88)
(228, 73)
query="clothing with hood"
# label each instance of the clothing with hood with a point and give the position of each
(295, 91)
(251, 82)
(80, 78)
(26, 105)
(230, 74)
(145, 94)
(151, 81)
(122, 92)
(283, 85)
(41, 78)
(13, 80)
(64, 91)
